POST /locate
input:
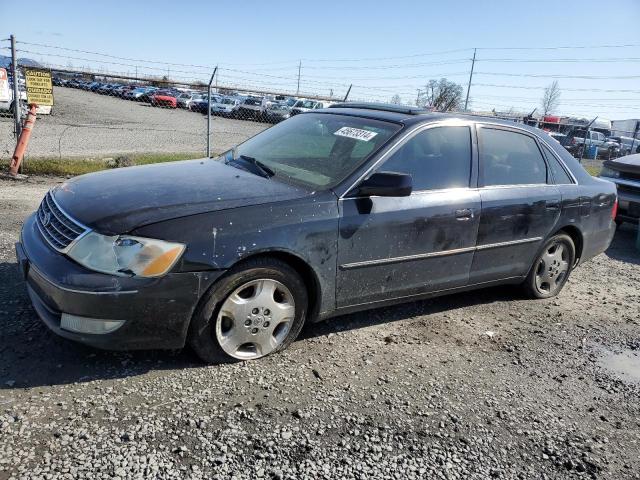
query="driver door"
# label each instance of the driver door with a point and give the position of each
(391, 247)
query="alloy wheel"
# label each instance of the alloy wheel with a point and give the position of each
(552, 268)
(255, 319)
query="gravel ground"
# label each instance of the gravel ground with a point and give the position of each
(85, 124)
(477, 385)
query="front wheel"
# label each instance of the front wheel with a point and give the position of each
(258, 308)
(552, 267)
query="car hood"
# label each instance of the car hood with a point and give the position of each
(628, 163)
(117, 201)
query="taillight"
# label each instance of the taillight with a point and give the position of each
(614, 210)
(573, 141)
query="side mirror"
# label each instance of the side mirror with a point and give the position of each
(385, 184)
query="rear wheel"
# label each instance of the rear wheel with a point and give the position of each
(552, 267)
(258, 308)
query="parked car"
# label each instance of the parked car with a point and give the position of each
(334, 211)
(277, 112)
(225, 106)
(251, 108)
(625, 173)
(138, 93)
(576, 143)
(302, 106)
(626, 145)
(164, 98)
(200, 104)
(186, 98)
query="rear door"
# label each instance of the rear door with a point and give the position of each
(520, 203)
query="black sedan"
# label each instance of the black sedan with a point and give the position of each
(334, 211)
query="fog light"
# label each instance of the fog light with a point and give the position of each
(94, 326)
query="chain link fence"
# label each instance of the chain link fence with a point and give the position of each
(105, 115)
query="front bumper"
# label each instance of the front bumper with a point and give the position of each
(156, 311)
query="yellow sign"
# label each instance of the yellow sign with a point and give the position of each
(39, 86)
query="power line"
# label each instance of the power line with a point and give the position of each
(530, 87)
(560, 60)
(585, 77)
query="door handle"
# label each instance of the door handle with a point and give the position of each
(464, 214)
(553, 205)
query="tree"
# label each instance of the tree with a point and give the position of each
(441, 95)
(551, 98)
(396, 99)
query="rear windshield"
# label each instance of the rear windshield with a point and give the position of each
(316, 150)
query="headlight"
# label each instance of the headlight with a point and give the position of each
(126, 255)
(609, 172)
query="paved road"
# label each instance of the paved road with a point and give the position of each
(475, 386)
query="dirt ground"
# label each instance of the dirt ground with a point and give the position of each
(477, 385)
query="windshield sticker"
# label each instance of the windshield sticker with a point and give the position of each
(356, 133)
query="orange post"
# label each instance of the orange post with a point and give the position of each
(23, 141)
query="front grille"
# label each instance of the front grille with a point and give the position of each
(57, 227)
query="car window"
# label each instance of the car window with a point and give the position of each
(435, 158)
(560, 176)
(510, 158)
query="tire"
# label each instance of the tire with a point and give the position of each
(240, 319)
(551, 268)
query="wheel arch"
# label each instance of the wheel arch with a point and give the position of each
(303, 268)
(577, 237)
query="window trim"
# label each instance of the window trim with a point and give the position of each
(395, 145)
(518, 131)
(560, 160)
(544, 146)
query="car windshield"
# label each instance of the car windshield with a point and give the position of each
(253, 101)
(227, 101)
(315, 150)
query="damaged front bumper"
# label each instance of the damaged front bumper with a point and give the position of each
(150, 312)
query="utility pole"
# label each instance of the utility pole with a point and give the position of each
(299, 68)
(473, 62)
(16, 89)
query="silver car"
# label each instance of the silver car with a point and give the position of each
(186, 99)
(225, 106)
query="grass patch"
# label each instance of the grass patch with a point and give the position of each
(593, 171)
(80, 166)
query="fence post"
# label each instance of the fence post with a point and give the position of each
(215, 70)
(16, 90)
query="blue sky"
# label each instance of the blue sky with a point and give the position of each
(381, 47)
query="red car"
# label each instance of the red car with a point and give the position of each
(164, 98)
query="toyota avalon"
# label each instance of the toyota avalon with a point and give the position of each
(332, 211)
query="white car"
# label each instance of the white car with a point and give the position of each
(186, 99)
(306, 105)
(226, 106)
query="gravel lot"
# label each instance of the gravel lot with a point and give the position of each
(85, 124)
(477, 385)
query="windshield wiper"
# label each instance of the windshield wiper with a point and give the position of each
(263, 169)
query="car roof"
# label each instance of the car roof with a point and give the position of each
(409, 115)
